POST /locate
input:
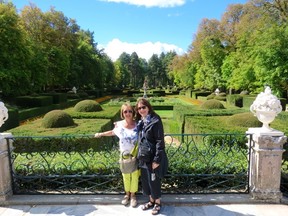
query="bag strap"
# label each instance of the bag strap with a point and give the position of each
(134, 151)
(125, 155)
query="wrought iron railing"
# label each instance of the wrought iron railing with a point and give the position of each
(198, 163)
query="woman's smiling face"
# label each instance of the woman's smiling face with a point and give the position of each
(142, 109)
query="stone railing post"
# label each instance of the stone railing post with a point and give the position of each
(265, 165)
(5, 172)
(266, 149)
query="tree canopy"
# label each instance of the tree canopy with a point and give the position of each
(46, 51)
(245, 50)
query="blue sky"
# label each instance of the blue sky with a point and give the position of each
(144, 26)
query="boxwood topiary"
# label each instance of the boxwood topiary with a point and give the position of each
(212, 104)
(211, 96)
(220, 98)
(246, 119)
(56, 119)
(87, 106)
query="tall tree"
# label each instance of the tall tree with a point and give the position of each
(108, 71)
(229, 25)
(51, 34)
(208, 37)
(124, 60)
(277, 9)
(212, 53)
(271, 59)
(14, 54)
(154, 68)
(182, 71)
(134, 68)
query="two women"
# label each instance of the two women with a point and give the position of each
(149, 128)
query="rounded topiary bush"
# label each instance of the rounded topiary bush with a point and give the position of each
(56, 119)
(246, 119)
(212, 104)
(87, 106)
(211, 96)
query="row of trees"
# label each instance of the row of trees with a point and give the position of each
(48, 51)
(131, 70)
(246, 50)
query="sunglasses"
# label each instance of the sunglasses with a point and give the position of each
(142, 107)
(127, 111)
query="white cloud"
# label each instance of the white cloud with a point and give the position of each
(144, 50)
(151, 3)
(174, 15)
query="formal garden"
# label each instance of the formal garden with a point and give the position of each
(55, 152)
(60, 91)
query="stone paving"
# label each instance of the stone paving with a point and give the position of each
(118, 210)
(173, 205)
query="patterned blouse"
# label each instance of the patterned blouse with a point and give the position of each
(127, 137)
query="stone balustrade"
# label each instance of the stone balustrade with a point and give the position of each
(5, 175)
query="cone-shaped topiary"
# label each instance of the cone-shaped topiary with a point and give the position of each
(87, 106)
(246, 119)
(212, 104)
(56, 119)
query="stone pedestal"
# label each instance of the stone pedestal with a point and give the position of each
(5, 175)
(265, 164)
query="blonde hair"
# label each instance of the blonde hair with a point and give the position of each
(124, 106)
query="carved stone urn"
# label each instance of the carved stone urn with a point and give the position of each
(3, 113)
(266, 107)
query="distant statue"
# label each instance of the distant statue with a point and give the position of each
(145, 86)
(74, 90)
(217, 91)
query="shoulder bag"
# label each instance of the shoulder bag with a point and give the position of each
(129, 163)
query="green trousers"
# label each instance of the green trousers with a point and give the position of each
(131, 181)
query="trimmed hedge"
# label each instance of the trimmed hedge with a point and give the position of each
(62, 144)
(57, 97)
(96, 93)
(196, 94)
(12, 121)
(235, 100)
(39, 111)
(248, 101)
(34, 101)
(159, 92)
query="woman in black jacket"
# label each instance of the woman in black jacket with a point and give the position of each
(153, 168)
